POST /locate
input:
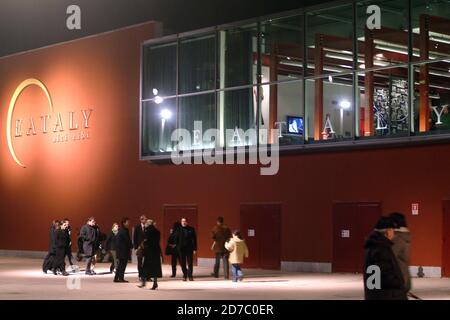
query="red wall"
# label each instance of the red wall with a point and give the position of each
(104, 177)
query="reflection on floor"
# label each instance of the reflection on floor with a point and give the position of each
(22, 278)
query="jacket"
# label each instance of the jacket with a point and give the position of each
(378, 252)
(89, 236)
(123, 244)
(220, 235)
(401, 248)
(238, 250)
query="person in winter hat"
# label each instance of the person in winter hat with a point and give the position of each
(383, 279)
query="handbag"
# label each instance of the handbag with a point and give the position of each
(140, 250)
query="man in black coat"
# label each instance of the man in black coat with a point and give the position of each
(138, 238)
(89, 235)
(123, 250)
(187, 247)
(388, 284)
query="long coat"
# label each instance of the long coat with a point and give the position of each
(152, 253)
(238, 250)
(51, 244)
(123, 244)
(50, 257)
(61, 243)
(378, 252)
(220, 235)
(401, 248)
(89, 235)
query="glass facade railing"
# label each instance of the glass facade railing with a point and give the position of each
(346, 71)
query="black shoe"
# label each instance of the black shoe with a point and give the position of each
(141, 285)
(191, 279)
(173, 276)
(89, 273)
(214, 275)
(155, 286)
(184, 279)
(124, 281)
(54, 272)
(65, 274)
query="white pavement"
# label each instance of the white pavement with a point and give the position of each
(22, 278)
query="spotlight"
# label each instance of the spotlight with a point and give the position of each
(159, 100)
(344, 104)
(166, 114)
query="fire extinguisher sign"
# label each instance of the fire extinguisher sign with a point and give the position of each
(415, 209)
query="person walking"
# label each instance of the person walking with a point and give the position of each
(48, 260)
(186, 241)
(89, 236)
(61, 243)
(221, 234)
(123, 250)
(69, 243)
(138, 238)
(238, 251)
(378, 253)
(98, 247)
(152, 255)
(171, 248)
(402, 246)
(111, 244)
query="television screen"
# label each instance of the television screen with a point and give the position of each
(294, 125)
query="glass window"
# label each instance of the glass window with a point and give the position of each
(160, 71)
(432, 97)
(282, 48)
(282, 109)
(238, 56)
(197, 64)
(431, 29)
(384, 102)
(158, 123)
(382, 33)
(237, 114)
(329, 40)
(197, 114)
(329, 108)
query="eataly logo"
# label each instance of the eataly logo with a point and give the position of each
(49, 123)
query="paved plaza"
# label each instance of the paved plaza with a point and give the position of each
(22, 278)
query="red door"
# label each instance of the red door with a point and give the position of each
(261, 228)
(352, 222)
(172, 214)
(446, 240)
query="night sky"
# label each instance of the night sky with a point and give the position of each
(29, 24)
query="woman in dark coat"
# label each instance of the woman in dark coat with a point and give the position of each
(152, 255)
(171, 248)
(61, 243)
(48, 260)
